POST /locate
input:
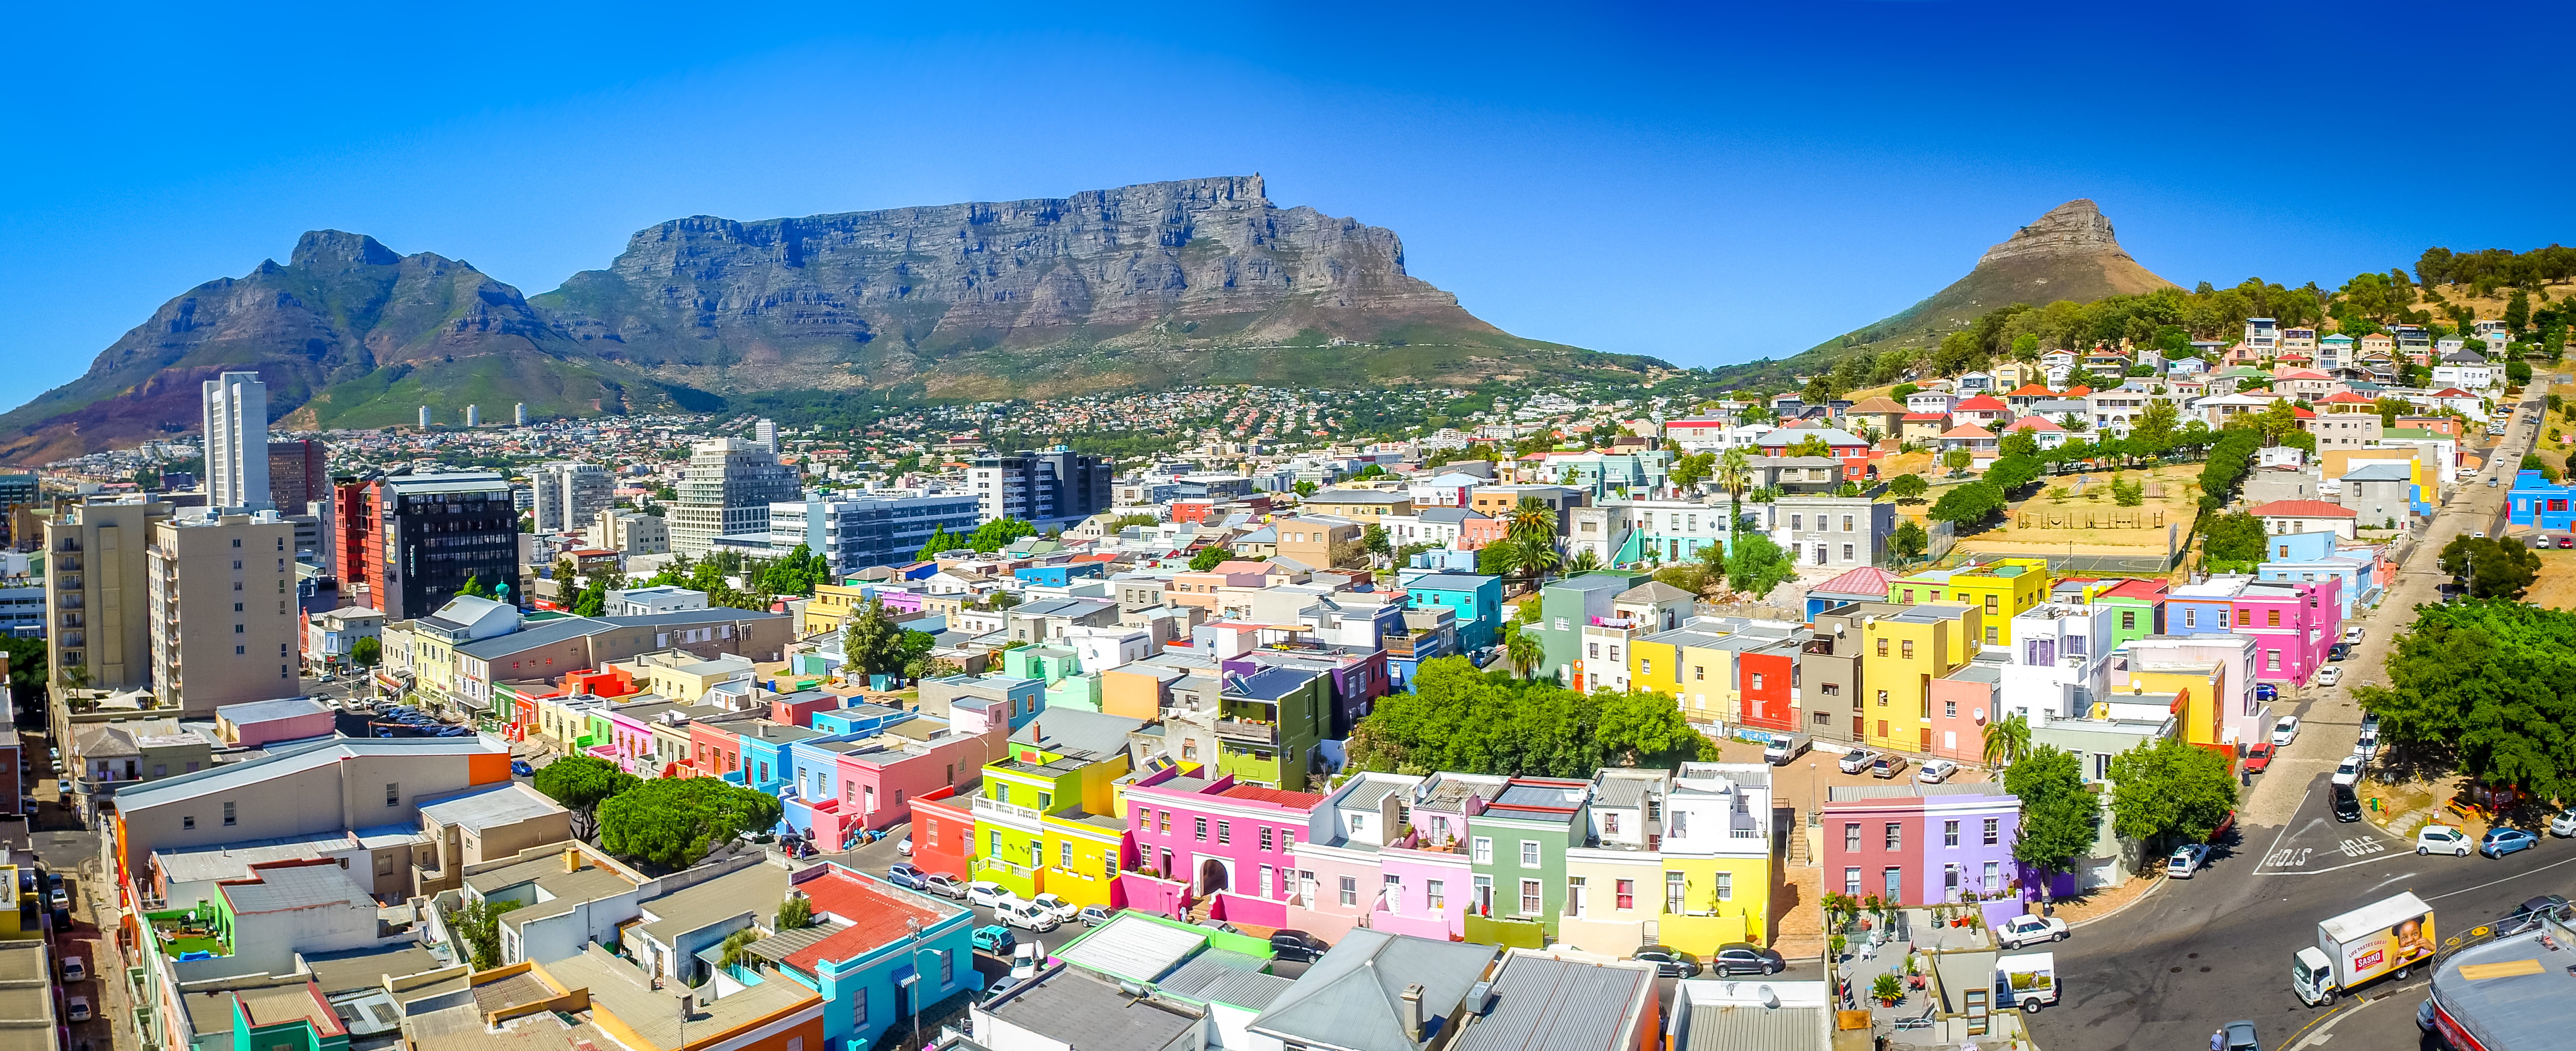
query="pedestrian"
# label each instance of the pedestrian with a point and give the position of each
(2217, 1037)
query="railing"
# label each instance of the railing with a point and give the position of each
(995, 806)
(1022, 871)
(67, 600)
(1242, 730)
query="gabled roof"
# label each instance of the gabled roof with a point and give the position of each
(1653, 591)
(1873, 406)
(1353, 997)
(1927, 417)
(2343, 397)
(1980, 402)
(2032, 390)
(1966, 430)
(1867, 580)
(2034, 423)
(2301, 509)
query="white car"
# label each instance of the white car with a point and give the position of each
(2355, 634)
(2285, 732)
(2187, 860)
(1857, 760)
(904, 846)
(2027, 929)
(988, 894)
(75, 969)
(2349, 771)
(1936, 771)
(79, 1008)
(2443, 839)
(1056, 906)
(1026, 915)
(2330, 676)
(2564, 824)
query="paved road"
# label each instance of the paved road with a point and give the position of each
(2202, 952)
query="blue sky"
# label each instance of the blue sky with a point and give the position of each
(1709, 184)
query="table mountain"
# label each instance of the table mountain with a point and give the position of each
(1194, 281)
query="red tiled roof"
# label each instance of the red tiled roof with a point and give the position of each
(875, 916)
(2031, 390)
(1925, 417)
(2146, 590)
(2298, 413)
(2034, 423)
(2302, 509)
(2344, 397)
(2077, 391)
(2450, 392)
(1981, 401)
(1280, 797)
(1967, 430)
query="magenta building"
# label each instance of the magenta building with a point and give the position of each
(1231, 844)
(1377, 855)
(1916, 844)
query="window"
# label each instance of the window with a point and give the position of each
(1726, 886)
(2101, 766)
(1990, 635)
(1950, 709)
(1895, 836)
(1950, 832)
(1201, 828)
(1847, 527)
(2190, 618)
(947, 967)
(1990, 605)
(1610, 822)
(393, 793)
(1851, 883)
(1851, 836)
(1225, 832)
(1391, 890)
(1592, 651)
(228, 814)
(1437, 892)
(187, 822)
(1882, 698)
(1882, 647)
(1699, 672)
(1994, 830)
(1484, 850)
(1266, 837)
(1645, 666)
(1907, 649)
(859, 1011)
(1350, 891)
(2128, 619)
(1529, 897)
(1757, 680)
(1627, 891)
(1529, 853)
(1674, 886)
(1164, 822)
(1066, 855)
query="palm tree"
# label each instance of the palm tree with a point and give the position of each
(1539, 558)
(2007, 739)
(1532, 528)
(1522, 650)
(1734, 474)
(1585, 561)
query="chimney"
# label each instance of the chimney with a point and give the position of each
(1413, 1021)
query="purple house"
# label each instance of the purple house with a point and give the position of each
(1199, 838)
(1917, 844)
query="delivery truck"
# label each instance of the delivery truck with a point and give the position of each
(1785, 747)
(2025, 980)
(2387, 937)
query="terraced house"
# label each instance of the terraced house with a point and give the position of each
(2000, 590)
(1674, 859)
(1516, 850)
(1047, 820)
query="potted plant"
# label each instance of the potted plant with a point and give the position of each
(1835, 944)
(1888, 990)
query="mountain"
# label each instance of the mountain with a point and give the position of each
(2069, 253)
(1199, 280)
(1162, 284)
(345, 333)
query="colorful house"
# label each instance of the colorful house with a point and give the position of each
(1923, 844)
(1565, 608)
(1046, 818)
(1902, 654)
(2218, 701)
(879, 956)
(2000, 589)
(1686, 854)
(1270, 721)
(2294, 622)
(2137, 608)
(1516, 853)
(1476, 599)
(1222, 841)
(2540, 503)
(2307, 557)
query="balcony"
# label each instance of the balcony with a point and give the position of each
(70, 619)
(1248, 731)
(67, 563)
(981, 805)
(67, 600)
(68, 543)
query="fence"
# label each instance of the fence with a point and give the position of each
(2058, 518)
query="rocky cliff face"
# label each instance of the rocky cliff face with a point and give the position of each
(2075, 229)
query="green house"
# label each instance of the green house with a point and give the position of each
(1565, 608)
(1516, 853)
(1269, 723)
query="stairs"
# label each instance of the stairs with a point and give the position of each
(1199, 912)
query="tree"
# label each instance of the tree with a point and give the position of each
(1908, 487)
(737, 949)
(1641, 728)
(1968, 504)
(997, 534)
(2492, 568)
(475, 587)
(1909, 540)
(367, 652)
(1373, 538)
(2489, 685)
(1585, 561)
(479, 926)
(1120, 523)
(2010, 473)
(581, 783)
(2018, 442)
(1532, 520)
(2170, 789)
(1957, 460)
(2007, 739)
(1209, 558)
(1304, 488)
(1755, 565)
(674, 822)
(2157, 425)
(871, 644)
(1459, 718)
(1734, 474)
(2059, 818)
(1810, 445)
(1523, 651)
(2233, 539)
(2517, 372)
(940, 540)
(795, 913)
(1693, 469)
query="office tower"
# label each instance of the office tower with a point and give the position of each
(237, 441)
(424, 415)
(222, 609)
(296, 475)
(474, 416)
(519, 415)
(766, 433)
(1051, 488)
(94, 591)
(567, 494)
(19, 527)
(727, 489)
(408, 543)
(879, 529)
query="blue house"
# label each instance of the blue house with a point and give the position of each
(1056, 576)
(2541, 503)
(1017, 700)
(862, 719)
(878, 955)
(2313, 556)
(1476, 600)
(765, 762)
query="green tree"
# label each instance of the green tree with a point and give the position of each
(2170, 789)
(1957, 460)
(795, 913)
(1734, 473)
(997, 534)
(2018, 442)
(367, 652)
(1908, 487)
(1304, 488)
(581, 783)
(2488, 687)
(940, 540)
(1909, 540)
(2012, 472)
(1373, 538)
(475, 587)
(1693, 469)
(1209, 558)
(2517, 372)
(2492, 568)
(2007, 740)
(478, 925)
(2233, 539)
(2060, 820)
(872, 644)
(1458, 718)
(674, 822)
(1810, 445)
(1968, 505)
(737, 949)
(1523, 650)
(1755, 565)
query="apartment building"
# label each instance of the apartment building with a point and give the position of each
(298, 474)
(1049, 487)
(329, 786)
(236, 414)
(629, 533)
(873, 530)
(220, 602)
(726, 491)
(569, 494)
(95, 589)
(405, 544)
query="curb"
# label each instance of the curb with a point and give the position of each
(2160, 881)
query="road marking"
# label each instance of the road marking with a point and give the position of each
(2507, 879)
(2307, 1038)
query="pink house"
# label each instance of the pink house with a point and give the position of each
(1959, 706)
(1364, 865)
(260, 722)
(873, 779)
(2293, 624)
(797, 709)
(630, 735)
(1200, 589)
(1215, 839)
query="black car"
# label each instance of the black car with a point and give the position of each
(1296, 946)
(1669, 962)
(2347, 807)
(2339, 651)
(2543, 905)
(1745, 958)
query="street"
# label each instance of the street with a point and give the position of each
(2200, 953)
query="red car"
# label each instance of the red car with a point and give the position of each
(2258, 758)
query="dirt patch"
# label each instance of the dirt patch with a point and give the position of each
(2102, 901)
(2556, 586)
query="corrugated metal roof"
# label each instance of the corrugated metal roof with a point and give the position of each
(1751, 1027)
(1540, 1002)
(778, 947)
(1133, 947)
(1231, 978)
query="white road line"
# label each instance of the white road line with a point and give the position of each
(2319, 1036)
(2338, 868)
(2508, 879)
(2285, 826)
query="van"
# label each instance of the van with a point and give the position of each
(1026, 915)
(1785, 748)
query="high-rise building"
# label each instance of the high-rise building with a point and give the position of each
(221, 605)
(297, 475)
(94, 593)
(519, 415)
(424, 415)
(408, 543)
(629, 533)
(766, 433)
(878, 529)
(568, 494)
(727, 489)
(236, 405)
(1057, 486)
(474, 416)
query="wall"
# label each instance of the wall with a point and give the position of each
(331, 797)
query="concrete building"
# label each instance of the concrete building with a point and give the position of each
(406, 544)
(329, 786)
(570, 494)
(298, 475)
(236, 408)
(1053, 487)
(1845, 532)
(221, 607)
(726, 491)
(489, 823)
(94, 588)
(629, 533)
(874, 530)
(331, 637)
(644, 602)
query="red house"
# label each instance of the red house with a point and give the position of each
(943, 833)
(713, 750)
(1762, 681)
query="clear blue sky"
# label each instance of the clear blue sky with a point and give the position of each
(1705, 183)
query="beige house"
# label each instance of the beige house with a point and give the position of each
(222, 610)
(487, 823)
(1361, 504)
(1311, 540)
(333, 786)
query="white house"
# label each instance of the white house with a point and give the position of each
(2305, 516)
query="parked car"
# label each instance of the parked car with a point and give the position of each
(2564, 824)
(944, 885)
(2354, 634)
(2424, 1011)
(2499, 842)
(2240, 1037)
(988, 894)
(1744, 958)
(1669, 962)
(2259, 758)
(2027, 929)
(2330, 676)
(904, 875)
(1857, 760)
(993, 938)
(1887, 766)
(58, 898)
(79, 1011)
(2347, 806)
(2286, 731)
(904, 846)
(1936, 771)
(1093, 915)
(1025, 915)
(2348, 771)
(2186, 860)
(2339, 651)
(520, 768)
(1055, 905)
(2442, 839)
(1296, 945)
(75, 968)
(2540, 906)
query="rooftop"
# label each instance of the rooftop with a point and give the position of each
(1082, 1013)
(491, 806)
(264, 711)
(1353, 997)
(877, 912)
(1541, 1002)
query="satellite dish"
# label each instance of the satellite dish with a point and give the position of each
(1981, 715)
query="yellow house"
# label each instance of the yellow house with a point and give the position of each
(682, 676)
(1900, 656)
(1687, 852)
(1696, 667)
(1046, 819)
(2195, 690)
(832, 605)
(2000, 590)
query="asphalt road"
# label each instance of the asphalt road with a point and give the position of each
(2199, 953)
